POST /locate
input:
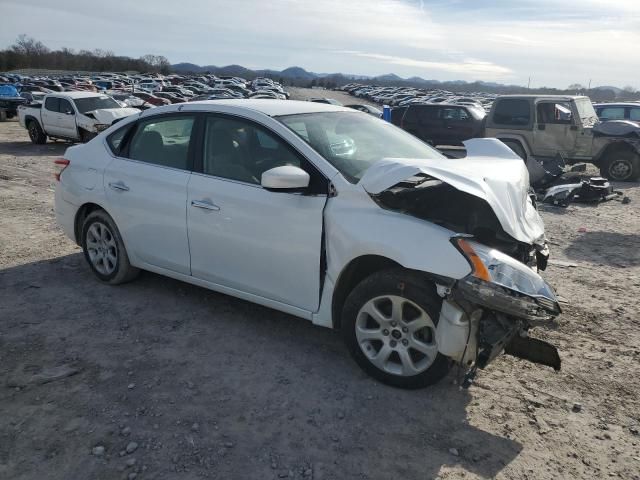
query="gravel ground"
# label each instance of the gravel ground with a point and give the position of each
(158, 379)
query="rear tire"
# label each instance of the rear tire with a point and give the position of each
(104, 249)
(621, 166)
(388, 325)
(36, 134)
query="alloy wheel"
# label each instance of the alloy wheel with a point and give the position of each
(396, 335)
(620, 169)
(102, 248)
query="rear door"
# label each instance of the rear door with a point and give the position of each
(244, 237)
(146, 185)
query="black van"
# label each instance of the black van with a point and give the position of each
(443, 124)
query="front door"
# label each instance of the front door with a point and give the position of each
(67, 119)
(147, 191)
(555, 131)
(242, 236)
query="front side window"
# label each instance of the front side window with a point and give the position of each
(242, 151)
(65, 106)
(454, 114)
(512, 111)
(163, 141)
(553, 113)
(612, 113)
(352, 142)
(52, 104)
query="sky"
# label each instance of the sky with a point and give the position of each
(555, 42)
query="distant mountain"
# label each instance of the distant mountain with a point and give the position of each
(297, 73)
(389, 77)
(615, 90)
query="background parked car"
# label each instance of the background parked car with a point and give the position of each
(618, 111)
(443, 124)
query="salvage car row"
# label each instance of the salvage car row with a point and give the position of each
(76, 108)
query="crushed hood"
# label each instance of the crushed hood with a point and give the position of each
(108, 115)
(490, 171)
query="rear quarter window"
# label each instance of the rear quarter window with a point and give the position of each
(512, 112)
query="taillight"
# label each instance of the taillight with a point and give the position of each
(60, 165)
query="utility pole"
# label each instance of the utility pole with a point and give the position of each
(529, 84)
(589, 85)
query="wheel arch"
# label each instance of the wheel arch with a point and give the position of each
(30, 118)
(82, 213)
(614, 147)
(351, 275)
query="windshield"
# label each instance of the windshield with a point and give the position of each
(588, 115)
(89, 104)
(353, 141)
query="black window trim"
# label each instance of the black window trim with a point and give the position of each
(199, 154)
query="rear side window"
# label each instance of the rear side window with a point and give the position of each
(52, 104)
(116, 138)
(634, 114)
(163, 141)
(512, 111)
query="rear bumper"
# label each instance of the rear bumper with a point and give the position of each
(65, 214)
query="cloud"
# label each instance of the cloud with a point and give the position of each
(477, 68)
(558, 43)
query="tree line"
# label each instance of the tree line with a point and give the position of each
(27, 52)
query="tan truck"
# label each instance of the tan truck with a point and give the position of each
(543, 127)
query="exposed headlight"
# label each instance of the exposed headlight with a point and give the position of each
(502, 283)
(101, 126)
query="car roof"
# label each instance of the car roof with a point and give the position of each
(74, 95)
(268, 107)
(565, 98)
(618, 104)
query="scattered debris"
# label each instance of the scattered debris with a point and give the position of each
(98, 450)
(577, 407)
(454, 452)
(131, 447)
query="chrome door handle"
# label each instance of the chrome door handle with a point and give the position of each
(205, 205)
(118, 186)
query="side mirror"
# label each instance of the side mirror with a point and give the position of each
(285, 178)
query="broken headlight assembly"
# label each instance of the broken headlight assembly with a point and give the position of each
(501, 283)
(101, 126)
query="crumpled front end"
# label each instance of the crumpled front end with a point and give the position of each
(485, 200)
(491, 310)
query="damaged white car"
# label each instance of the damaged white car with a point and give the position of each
(327, 214)
(74, 116)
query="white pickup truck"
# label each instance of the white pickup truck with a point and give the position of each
(75, 116)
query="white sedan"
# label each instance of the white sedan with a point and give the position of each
(327, 214)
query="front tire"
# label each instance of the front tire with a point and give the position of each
(389, 326)
(36, 134)
(104, 249)
(621, 167)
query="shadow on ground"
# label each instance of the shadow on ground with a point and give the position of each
(209, 386)
(610, 248)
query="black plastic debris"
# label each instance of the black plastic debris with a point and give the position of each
(592, 190)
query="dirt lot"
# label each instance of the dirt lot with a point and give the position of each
(177, 382)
